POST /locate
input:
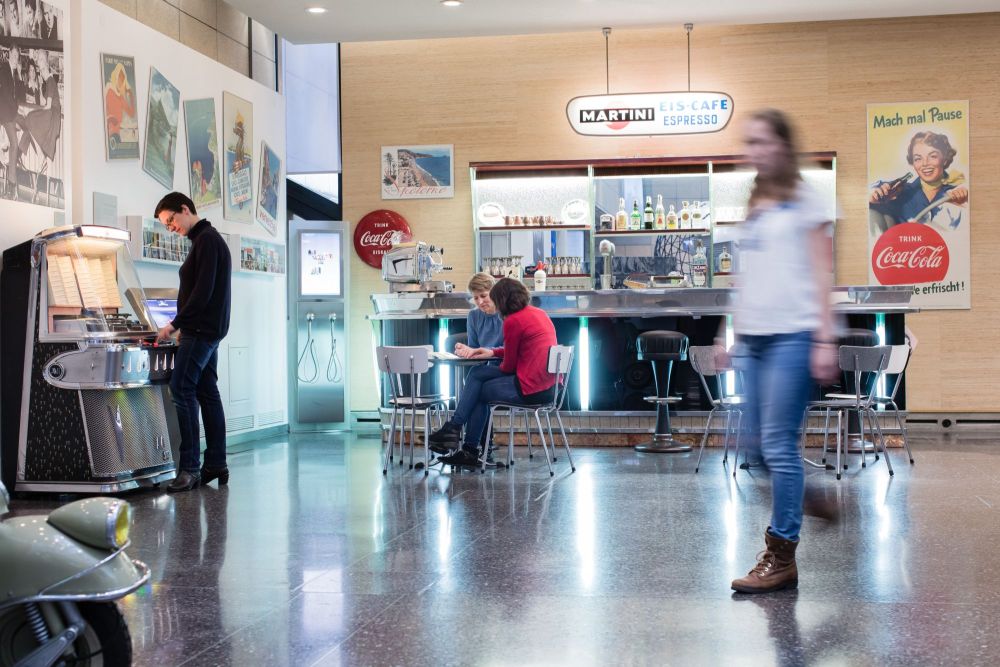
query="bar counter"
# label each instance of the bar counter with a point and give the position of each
(603, 325)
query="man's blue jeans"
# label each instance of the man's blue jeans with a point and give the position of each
(482, 385)
(778, 384)
(194, 383)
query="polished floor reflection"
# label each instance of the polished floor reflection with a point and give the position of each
(312, 557)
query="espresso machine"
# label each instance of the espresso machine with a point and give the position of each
(411, 267)
(84, 406)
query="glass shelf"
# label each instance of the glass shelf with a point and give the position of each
(653, 232)
(544, 228)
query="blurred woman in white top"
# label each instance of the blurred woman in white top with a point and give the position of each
(784, 327)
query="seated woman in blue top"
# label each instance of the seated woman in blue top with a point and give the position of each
(483, 325)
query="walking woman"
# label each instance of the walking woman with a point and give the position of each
(784, 325)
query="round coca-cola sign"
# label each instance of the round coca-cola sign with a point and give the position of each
(909, 254)
(375, 234)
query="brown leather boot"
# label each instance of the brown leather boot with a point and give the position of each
(775, 569)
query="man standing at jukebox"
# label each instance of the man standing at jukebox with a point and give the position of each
(202, 321)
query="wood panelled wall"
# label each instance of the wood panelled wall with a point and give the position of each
(504, 98)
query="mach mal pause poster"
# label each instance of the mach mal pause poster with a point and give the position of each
(919, 218)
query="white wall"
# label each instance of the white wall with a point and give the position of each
(252, 365)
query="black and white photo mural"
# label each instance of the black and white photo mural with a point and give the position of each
(32, 84)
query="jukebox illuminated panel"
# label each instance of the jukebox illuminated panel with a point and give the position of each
(84, 402)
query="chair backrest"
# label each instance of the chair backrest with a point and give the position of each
(869, 361)
(702, 358)
(560, 364)
(899, 357)
(398, 362)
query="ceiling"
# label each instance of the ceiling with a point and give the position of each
(376, 20)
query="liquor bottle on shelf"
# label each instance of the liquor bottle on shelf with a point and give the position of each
(660, 217)
(685, 215)
(725, 261)
(672, 218)
(621, 220)
(699, 266)
(635, 220)
(647, 214)
(697, 215)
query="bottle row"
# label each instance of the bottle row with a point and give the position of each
(693, 215)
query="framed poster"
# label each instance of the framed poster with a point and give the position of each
(203, 151)
(418, 172)
(121, 120)
(919, 230)
(162, 115)
(237, 133)
(33, 91)
(269, 189)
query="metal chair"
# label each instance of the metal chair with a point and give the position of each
(411, 363)
(899, 357)
(703, 362)
(560, 364)
(866, 365)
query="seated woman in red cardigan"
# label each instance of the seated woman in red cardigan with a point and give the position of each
(521, 377)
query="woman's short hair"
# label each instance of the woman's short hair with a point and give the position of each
(481, 282)
(509, 296)
(934, 140)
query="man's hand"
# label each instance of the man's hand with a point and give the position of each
(480, 353)
(165, 333)
(463, 350)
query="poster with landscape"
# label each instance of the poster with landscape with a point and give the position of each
(162, 115)
(418, 172)
(269, 189)
(237, 184)
(203, 151)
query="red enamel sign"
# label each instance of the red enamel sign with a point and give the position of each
(909, 254)
(375, 234)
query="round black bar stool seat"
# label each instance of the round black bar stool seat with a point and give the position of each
(662, 349)
(858, 338)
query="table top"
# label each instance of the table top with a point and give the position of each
(458, 361)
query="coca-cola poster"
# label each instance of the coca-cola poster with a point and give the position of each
(418, 172)
(376, 233)
(919, 214)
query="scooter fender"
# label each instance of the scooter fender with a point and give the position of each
(38, 561)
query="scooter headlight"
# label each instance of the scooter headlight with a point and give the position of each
(103, 523)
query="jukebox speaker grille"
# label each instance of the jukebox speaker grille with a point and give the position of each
(126, 428)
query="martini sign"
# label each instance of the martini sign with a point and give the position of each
(645, 114)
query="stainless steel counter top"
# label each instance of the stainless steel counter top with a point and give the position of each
(667, 302)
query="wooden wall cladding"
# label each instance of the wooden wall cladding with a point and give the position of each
(504, 98)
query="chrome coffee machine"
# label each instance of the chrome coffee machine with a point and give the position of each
(83, 406)
(411, 267)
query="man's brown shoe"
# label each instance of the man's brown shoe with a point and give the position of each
(775, 569)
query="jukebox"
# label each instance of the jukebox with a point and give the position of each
(83, 387)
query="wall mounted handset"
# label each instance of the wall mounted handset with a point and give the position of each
(335, 368)
(308, 355)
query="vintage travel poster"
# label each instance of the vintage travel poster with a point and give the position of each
(203, 151)
(269, 189)
(919, 200)
(32, 99)
(162, 115)
(237, 184)
(121, 117)
(418, 172)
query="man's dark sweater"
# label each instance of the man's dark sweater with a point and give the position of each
(205, 291)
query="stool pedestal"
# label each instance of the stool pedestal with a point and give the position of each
(662, 348)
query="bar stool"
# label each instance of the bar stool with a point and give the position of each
(856, 338)
(662, 348)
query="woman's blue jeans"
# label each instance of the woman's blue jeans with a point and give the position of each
(194, 383)
(778, 384)
(483, 384)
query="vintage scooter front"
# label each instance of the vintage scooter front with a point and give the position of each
(59, 577)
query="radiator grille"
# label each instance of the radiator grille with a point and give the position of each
(126, 428)
(272, 417)
(239, 423)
